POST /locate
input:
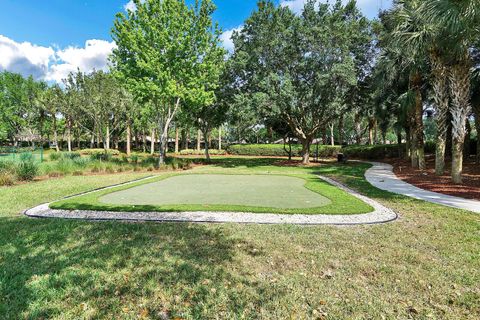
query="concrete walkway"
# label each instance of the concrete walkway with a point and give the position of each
(381, 214)
(381, 176)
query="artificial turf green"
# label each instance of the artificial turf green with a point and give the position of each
(272, 191)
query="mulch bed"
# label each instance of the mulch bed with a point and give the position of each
(470, 189)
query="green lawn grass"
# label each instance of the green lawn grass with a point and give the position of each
(426, 265)
(176, 192)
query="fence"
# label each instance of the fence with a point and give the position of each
(17, 153)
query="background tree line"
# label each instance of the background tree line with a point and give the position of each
(327, 75)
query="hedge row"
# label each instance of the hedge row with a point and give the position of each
(213, 152)
(374, 152)
(278, 150)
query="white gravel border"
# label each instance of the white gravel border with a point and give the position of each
(381, 214)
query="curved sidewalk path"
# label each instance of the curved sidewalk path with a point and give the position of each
(381, 214)
(381, 176)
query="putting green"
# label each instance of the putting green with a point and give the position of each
(215, 189)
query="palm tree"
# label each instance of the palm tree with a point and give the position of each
(457, 24)
(407, 32)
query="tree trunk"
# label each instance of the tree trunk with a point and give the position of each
(340, 130)
(440, 96)
(206, 136)
(413, 149)
(477, 127)
(152, 141)
(399, 144)
(129, 138)
(107, 138)
(306, 150)
(416, 82)
(184, 139)
(199, 143)
(144, 141)
(332, 137)
(408, 143)
(69, 135)
(55, 133)
(220, 138)
(371, 124)
(460, 109)
(177, 133)
(466, 147)
(358, 129)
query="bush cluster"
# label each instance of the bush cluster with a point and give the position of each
(278, 150)
(194, 152)
(88, 152)
(25, 169)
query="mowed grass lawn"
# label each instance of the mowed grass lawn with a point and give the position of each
(426, 265)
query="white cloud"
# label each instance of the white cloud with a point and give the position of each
(130, 6)
(226, 38)
(53, 64)
(93, 56)
(25, 58)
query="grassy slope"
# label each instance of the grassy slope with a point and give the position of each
(342, 202)
(426, 265)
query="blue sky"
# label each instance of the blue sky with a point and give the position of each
(50, 38)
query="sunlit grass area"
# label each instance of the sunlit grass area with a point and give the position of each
(425, 265)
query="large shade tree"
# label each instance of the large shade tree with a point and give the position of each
(303, 74)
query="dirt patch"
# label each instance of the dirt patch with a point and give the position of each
(470, 189)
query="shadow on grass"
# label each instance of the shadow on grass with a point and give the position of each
(43, 262)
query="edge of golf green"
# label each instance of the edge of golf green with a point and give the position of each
(342, 203)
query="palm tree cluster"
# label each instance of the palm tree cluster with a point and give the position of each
(428, 53)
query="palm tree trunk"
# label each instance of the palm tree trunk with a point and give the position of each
(460, 109)
(419, 139)
(468, 133)
(477, 127)
(440, 90)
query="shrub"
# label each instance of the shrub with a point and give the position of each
(371, 152)
(27, 169)
(278, 150)
(66, 166)
(7, 165)
(55, 156)
(134, 158)
(6, 178)
(150, 161)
